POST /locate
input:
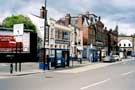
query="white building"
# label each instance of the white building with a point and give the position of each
(76, 42)
(59, 35)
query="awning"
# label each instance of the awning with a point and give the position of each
(79, 47)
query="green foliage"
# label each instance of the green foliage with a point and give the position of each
(10, 21)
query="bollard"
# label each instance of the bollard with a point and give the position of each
(80, 61)
(11, 68)
(20, 67)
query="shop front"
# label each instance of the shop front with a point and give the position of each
(61, 58)
(79, 53)
(93, 55)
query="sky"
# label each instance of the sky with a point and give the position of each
(112, 12)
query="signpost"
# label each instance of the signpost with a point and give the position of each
(18, 30)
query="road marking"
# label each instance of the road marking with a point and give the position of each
(124, 74)
(95, 84)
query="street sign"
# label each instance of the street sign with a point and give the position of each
(18, 29)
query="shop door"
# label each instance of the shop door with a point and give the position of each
(66, 57)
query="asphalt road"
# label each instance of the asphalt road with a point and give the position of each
(119, 76)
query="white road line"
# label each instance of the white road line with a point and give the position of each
(95, 84)
(124, 74)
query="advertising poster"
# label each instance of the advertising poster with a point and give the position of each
(12, 44)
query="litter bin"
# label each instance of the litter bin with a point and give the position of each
(41, 66)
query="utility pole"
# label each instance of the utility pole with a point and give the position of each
(134, 34)
(45, 19)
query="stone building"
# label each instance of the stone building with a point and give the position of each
(126, 44)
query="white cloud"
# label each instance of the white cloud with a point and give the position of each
(30, 7)
(4, 15)
(112, 11)
(123, 3)
(54, 13)
(124, 28)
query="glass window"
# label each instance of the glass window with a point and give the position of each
(51, 33)
(60, 35)
(66, 35)
(52, 53)
(56, 34)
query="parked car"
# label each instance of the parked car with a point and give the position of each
(107, 59)
(116, 57)
(112, 58)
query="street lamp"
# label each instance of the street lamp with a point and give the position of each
(45, 19)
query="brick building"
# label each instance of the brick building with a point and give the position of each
(97, 40)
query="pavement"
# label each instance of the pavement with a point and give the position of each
(89, 66)
(75, 67)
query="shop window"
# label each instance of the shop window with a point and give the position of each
(52, 53)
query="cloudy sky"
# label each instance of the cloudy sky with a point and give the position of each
(112, 12)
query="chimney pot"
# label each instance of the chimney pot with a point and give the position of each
(43, 12)
(67, 19)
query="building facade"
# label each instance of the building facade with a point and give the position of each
(57, 38)
(126, 45)
(97, 40)
(76, 43)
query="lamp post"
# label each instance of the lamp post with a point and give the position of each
(45, 19)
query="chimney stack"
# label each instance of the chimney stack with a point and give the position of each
(80, 20)
(43, 12)
(67, 19)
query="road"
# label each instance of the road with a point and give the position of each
(120, 76)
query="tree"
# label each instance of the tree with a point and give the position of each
(10, 21)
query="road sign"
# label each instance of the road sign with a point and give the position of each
(18, 29)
